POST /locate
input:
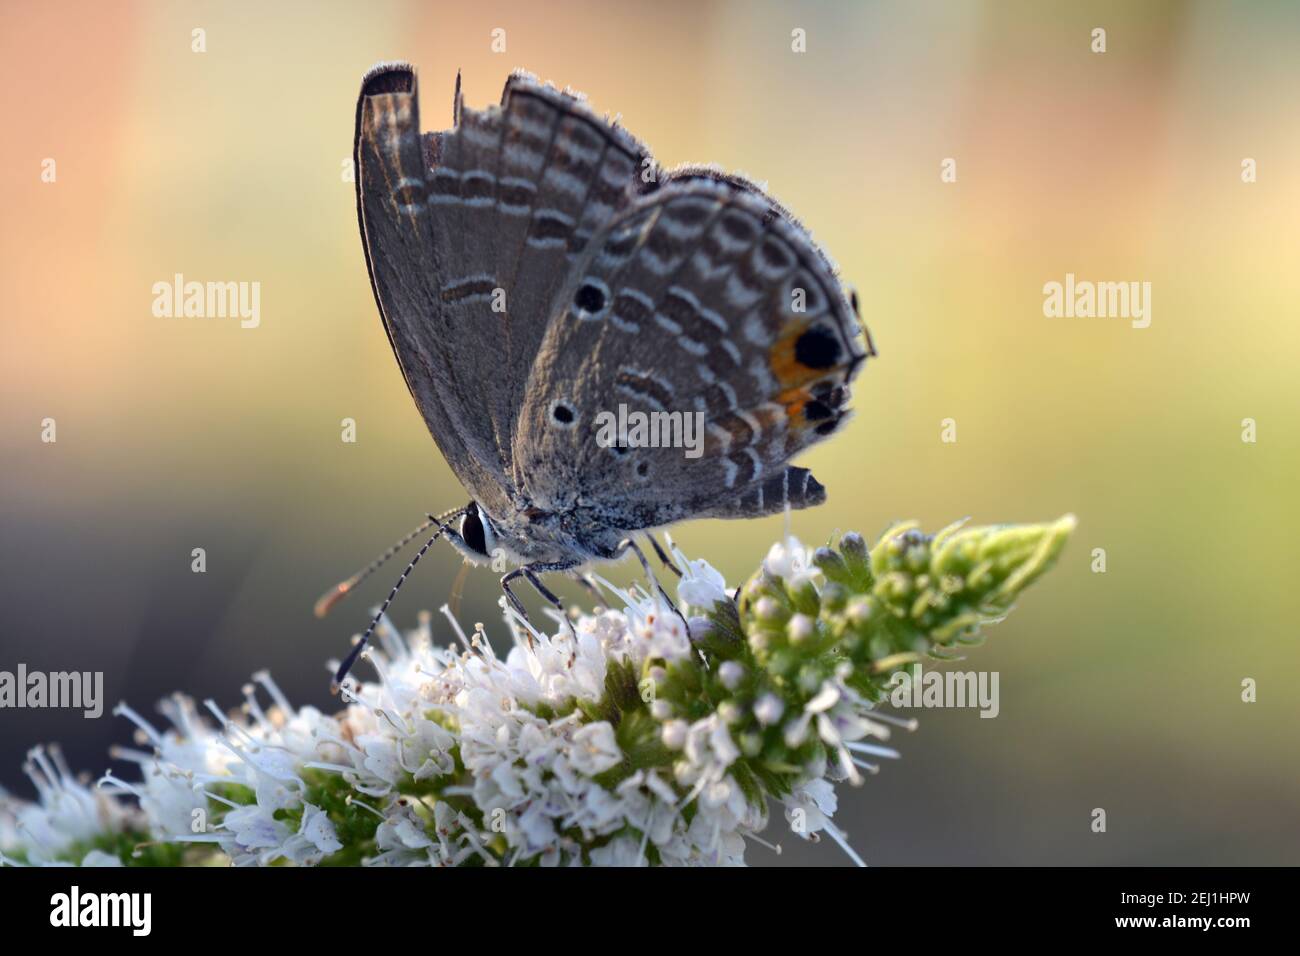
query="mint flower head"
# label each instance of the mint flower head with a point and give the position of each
(641, 737)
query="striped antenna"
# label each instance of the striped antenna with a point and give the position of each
(360, 645)
(326, 602)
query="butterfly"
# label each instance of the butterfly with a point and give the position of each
(534, 268)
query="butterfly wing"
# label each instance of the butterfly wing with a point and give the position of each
(469, 234)
(398, 238)
(522, 261)
(705, 297)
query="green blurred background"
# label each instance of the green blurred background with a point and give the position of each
(1118, 690)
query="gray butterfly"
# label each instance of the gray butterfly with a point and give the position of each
(533, 268)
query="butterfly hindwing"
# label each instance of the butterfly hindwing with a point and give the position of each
(704, 297)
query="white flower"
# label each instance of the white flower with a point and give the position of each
(100, 858)
(809, 809)
(674, 734)
(621, 852)
(701, 585)
(769, 709)
(789, 559)
(452, 755)
(253, 828)
(66, 813)
(731, 674)
(318, 831)
(817, 800)
(595, 750)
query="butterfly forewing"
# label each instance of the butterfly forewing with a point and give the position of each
(392, 194)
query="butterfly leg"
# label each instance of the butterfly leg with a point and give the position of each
(663, 556)
(627, 544)
(550, 597)
(529, 573)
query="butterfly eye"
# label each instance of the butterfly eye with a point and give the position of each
(643, 469)
(471, 529)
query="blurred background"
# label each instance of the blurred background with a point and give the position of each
(1118, 690)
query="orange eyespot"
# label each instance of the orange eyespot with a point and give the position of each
(804, 352)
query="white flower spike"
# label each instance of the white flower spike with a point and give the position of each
(622, 742)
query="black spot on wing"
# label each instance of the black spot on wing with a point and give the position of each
(817, 348)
